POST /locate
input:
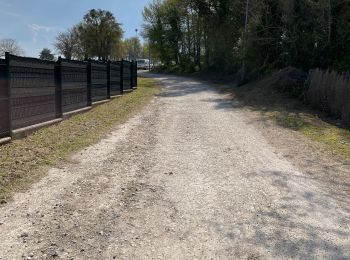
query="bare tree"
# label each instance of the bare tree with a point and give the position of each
(67, 43)
(11, 46)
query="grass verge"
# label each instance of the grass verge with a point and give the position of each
(335, 138)
(293, 114)
(24, 161)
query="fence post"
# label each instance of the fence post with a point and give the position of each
(8, 88)
(122, 76)
(89, 82)
(135, 69)
(58, 90)
(132, 74)
(109, 79)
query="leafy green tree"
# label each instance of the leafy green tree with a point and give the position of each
(46, 54)
(339, 35)
(99, 32)
(212, 34)
(133, 48)
(154, 29)
(183, 32)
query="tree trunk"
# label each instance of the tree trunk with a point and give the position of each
(330, 18)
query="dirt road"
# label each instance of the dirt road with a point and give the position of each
(189, 178)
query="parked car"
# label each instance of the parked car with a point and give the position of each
(143, 64)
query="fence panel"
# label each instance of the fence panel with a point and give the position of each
(74, 84)
(33, 91)
(134, 80)
(115, 73)
(127, 84)
(330, 92)
(5, 127)
(99, 81)
(32, 86)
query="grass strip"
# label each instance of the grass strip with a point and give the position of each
(293, 114)
(335, 138)
(25, 161)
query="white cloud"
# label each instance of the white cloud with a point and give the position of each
(36, 28)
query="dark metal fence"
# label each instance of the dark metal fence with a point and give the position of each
(72, 75)
(115, 83)
(127, 68)
(99, 81)
(134, 75)
(4, 101)
(32, 87)
(33, 91)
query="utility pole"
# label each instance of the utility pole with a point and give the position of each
(244, 39)
(134, 47)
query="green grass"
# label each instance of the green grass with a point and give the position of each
(333, 137)
(25, 161)
(293, 114)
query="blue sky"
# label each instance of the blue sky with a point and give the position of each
(35, 23)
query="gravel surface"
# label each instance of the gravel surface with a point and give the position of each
(194, 176)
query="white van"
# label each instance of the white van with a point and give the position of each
(142, 64)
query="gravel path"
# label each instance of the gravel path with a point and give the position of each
(189, 178)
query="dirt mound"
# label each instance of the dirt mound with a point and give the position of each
(290, 80)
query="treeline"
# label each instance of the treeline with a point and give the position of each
(99, 36)
(256, 35)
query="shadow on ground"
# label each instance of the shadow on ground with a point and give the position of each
(288, 231)
(261, 97)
